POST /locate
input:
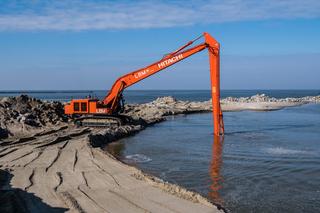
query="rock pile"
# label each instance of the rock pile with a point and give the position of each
(24, 110)
(258, 98)
(104, 136)
(156, 110)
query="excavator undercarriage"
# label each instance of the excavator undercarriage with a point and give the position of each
(98, 120)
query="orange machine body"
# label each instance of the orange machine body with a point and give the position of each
(110, 105)
(86, 106)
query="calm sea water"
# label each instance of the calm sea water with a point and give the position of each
(266, 162)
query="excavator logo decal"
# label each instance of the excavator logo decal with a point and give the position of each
(141, 73)
(101, 111)
(170, 61)
(163, 64)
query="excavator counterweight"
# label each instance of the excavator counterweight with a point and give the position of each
(112, 104)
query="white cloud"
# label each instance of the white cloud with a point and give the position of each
(110, 15)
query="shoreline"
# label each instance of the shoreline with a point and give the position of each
(166, 186)
(91, 182)
(60, 164)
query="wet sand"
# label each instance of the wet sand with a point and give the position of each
(49, 165)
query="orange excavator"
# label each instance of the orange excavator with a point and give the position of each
(94, 111)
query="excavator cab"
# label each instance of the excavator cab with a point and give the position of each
(82, 106)
(78, 106)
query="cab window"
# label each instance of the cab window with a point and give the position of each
(83, 107)
(76, 107)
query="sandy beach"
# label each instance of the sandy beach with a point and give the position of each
(48, 164)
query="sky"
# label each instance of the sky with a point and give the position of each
(88, 44)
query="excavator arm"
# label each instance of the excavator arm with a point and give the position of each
(131, 78)
(113, 97)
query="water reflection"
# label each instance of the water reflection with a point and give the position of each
(215, 170)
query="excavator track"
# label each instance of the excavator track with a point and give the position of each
(99, 121)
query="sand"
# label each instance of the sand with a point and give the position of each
(49, 165)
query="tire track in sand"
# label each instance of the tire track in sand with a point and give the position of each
(70, 201)
(57, 156)
(22, 156)
(34, 159)
(59, 175)
(129, 201)
(85, 179)
(75, 160)
(31, 180)
(93, 200)
(104, 171)
(9, 152)
(92, 157)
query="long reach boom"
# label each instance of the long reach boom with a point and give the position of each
(112, 103)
